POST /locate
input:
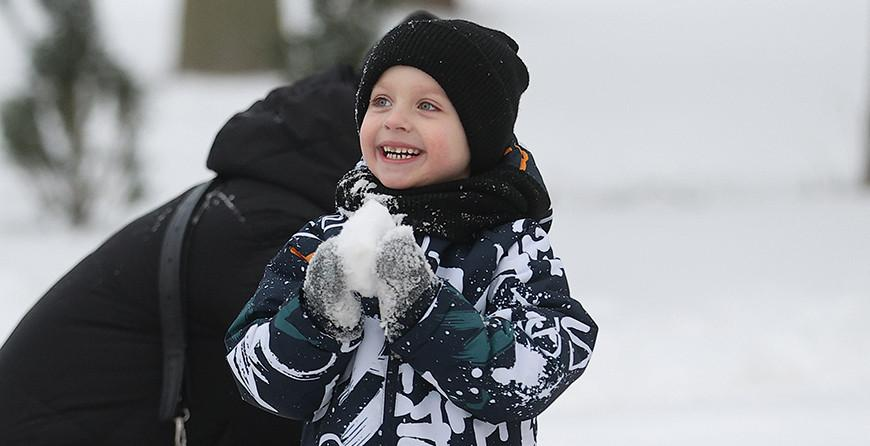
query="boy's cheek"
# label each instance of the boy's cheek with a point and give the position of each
(366, 135)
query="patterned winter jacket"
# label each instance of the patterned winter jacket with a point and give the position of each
(500, 341)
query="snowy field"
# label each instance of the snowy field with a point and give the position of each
(703, 158)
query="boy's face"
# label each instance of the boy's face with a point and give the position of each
(411, 135)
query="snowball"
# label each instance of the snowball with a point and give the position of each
(358, 242)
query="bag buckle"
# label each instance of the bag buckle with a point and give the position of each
(180, 431)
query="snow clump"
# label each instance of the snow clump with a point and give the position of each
(357, 245)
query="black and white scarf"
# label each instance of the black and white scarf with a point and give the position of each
(456, 210)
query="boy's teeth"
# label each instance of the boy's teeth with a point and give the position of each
(399, 153)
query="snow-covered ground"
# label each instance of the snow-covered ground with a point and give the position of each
(701, 156)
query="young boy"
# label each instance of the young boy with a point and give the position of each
(473, 333)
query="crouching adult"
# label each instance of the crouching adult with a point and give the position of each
(84, 366)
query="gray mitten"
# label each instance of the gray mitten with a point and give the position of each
(326, 298)
(408, 279)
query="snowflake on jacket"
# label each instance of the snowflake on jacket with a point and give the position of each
(500, 340)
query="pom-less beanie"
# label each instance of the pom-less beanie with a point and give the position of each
(477, 67)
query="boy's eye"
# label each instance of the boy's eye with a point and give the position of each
(381, 101)
(428, 106)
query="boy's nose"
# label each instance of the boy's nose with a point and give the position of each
(396, 121)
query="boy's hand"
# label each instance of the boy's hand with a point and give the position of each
(410, 283)
(326, 297)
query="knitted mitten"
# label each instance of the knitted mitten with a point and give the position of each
(326, 298)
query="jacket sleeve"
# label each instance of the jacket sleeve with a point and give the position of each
(281, 361)
(530, 343)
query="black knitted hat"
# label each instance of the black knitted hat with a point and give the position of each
(477, 67)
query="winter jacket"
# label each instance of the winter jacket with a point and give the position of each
(500, 341)
(84, 365)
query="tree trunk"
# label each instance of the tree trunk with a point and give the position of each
(230, 36)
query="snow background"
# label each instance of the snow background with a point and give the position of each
(703, 158)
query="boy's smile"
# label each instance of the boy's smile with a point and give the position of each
(411, 135)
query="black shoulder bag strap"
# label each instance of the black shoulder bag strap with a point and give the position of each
(170, 286)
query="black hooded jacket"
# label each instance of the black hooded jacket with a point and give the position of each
(84, 365)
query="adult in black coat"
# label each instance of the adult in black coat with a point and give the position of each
(84, 365)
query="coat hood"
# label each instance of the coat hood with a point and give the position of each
(300, 137)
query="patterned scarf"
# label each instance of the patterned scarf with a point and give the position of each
(456, 210)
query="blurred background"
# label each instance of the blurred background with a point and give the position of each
(709, 163)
